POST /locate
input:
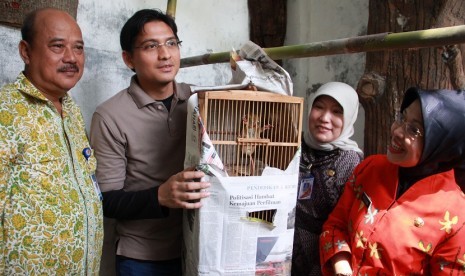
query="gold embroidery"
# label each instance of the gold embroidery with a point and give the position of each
(423, 248)
(374, 250)
(447, 223)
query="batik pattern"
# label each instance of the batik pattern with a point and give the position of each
(51, 214)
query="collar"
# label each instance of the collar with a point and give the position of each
(141, 98)
(26, 87)
(23, 85)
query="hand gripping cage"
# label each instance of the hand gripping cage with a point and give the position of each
(252, 129)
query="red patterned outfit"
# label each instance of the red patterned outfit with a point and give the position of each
(422, 232)
(407, 220)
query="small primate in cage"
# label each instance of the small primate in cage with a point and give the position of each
(252, 130)
(252, 127)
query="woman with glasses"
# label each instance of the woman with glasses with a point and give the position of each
(328, 158)
(403, 213)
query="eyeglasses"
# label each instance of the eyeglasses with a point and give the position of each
(170, 44)
(411, 130)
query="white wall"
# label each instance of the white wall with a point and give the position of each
(203, 26)
(316, 21)
(206, 26)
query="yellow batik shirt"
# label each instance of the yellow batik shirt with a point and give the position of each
(51, 214)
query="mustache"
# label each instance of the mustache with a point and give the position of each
(69, 67)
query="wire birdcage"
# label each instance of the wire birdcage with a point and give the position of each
(252, 129)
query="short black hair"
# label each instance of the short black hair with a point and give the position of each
(135, 25)
(27, 29)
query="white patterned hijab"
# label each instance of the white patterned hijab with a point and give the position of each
(346, 96)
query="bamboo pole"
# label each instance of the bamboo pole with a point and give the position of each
(368, 43)
(171, 8)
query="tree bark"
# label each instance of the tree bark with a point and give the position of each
(389, 73)
(268, 22)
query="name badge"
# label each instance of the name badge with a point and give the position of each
(87, 153)
(306, 186)
(96, 187)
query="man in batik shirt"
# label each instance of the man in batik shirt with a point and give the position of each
(51, 216)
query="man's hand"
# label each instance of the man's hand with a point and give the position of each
(181, 190)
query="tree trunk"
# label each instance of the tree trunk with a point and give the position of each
(388, 74)
(268, 22)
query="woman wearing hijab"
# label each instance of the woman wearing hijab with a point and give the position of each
(328, 159)
(403, 213)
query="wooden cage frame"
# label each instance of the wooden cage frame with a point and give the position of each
(246, 126)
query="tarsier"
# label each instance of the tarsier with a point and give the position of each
(252, 129)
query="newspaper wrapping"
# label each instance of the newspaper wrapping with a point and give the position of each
(246, 226)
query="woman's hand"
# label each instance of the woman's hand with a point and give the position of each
(341, 264)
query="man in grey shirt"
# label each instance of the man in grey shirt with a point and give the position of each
(138, 137)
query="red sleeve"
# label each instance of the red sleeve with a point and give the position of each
(448, 257)
(335, 235)
(337, 232)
